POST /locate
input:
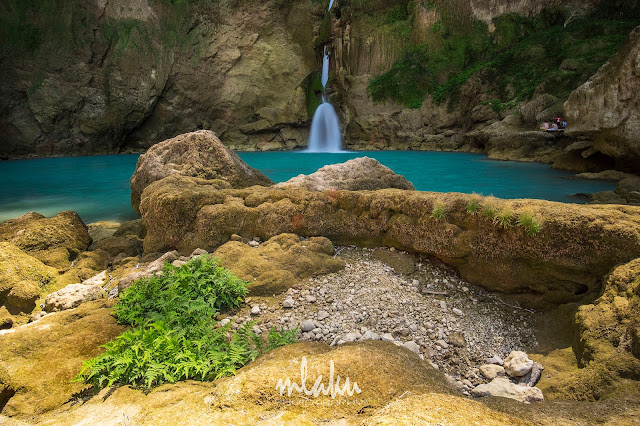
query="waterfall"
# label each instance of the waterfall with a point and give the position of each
(325, 128)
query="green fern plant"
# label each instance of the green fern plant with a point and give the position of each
(503, 218)
(439, 212)
(531, 225)
(175, 336)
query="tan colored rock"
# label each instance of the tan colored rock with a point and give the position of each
(279, 263)
(22, 279)
(150, 269)
(607, 106)
(198, 154)
(130, 245)
(47, 354)
(102, 229)
(72, 296)
(491, 371)
(382, 371)
(565, 261)
(37, 235)
(132, 227)
(23, 295)
(503, 387)
(99, 279)
(517, 364)
(362, 173)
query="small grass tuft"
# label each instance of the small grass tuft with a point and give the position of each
(439, 212)
(473, 206)
(503, 218)
(489, 211)
(531, 225)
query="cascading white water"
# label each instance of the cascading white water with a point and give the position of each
(325, 68)
(325, 128)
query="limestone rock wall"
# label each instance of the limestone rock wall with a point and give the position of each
(111, 76)
(564, 262)
(486, 10)
(607, 107)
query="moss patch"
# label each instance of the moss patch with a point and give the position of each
(42, 358)
(279, 263)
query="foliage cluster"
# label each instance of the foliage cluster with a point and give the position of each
(175, 336)
(520, 55)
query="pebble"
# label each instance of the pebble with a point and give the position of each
(307, 325)
(412, 346)
(288, 303)
(388, 337)
(255, 310)
(253, 243)
(457, 312)
(442, 344)
(323, 315)
(225, 322)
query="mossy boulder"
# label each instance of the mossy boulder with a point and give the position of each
(395, 384)
(48, 238)
(197, 154)
(280, 262)
(23, 295)
(22, 279)
(130, 245)
(132, 227)
(102, 229)
(86, 266)
(564, 260)
(6, 387)
(606, 352)
(41, 358)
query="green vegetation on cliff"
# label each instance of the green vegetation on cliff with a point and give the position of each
(515, 58)
(175, 335)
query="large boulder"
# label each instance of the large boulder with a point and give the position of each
(279, 263)
(607, 106)
(354, 175)
(197, 154)
(396, 388)
(42, 357)
(22, 279)
(56, 241)
(564, 261)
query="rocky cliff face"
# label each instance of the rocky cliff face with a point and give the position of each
(107, 76)
(607, 107)
(487, 10)
(116, 76)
